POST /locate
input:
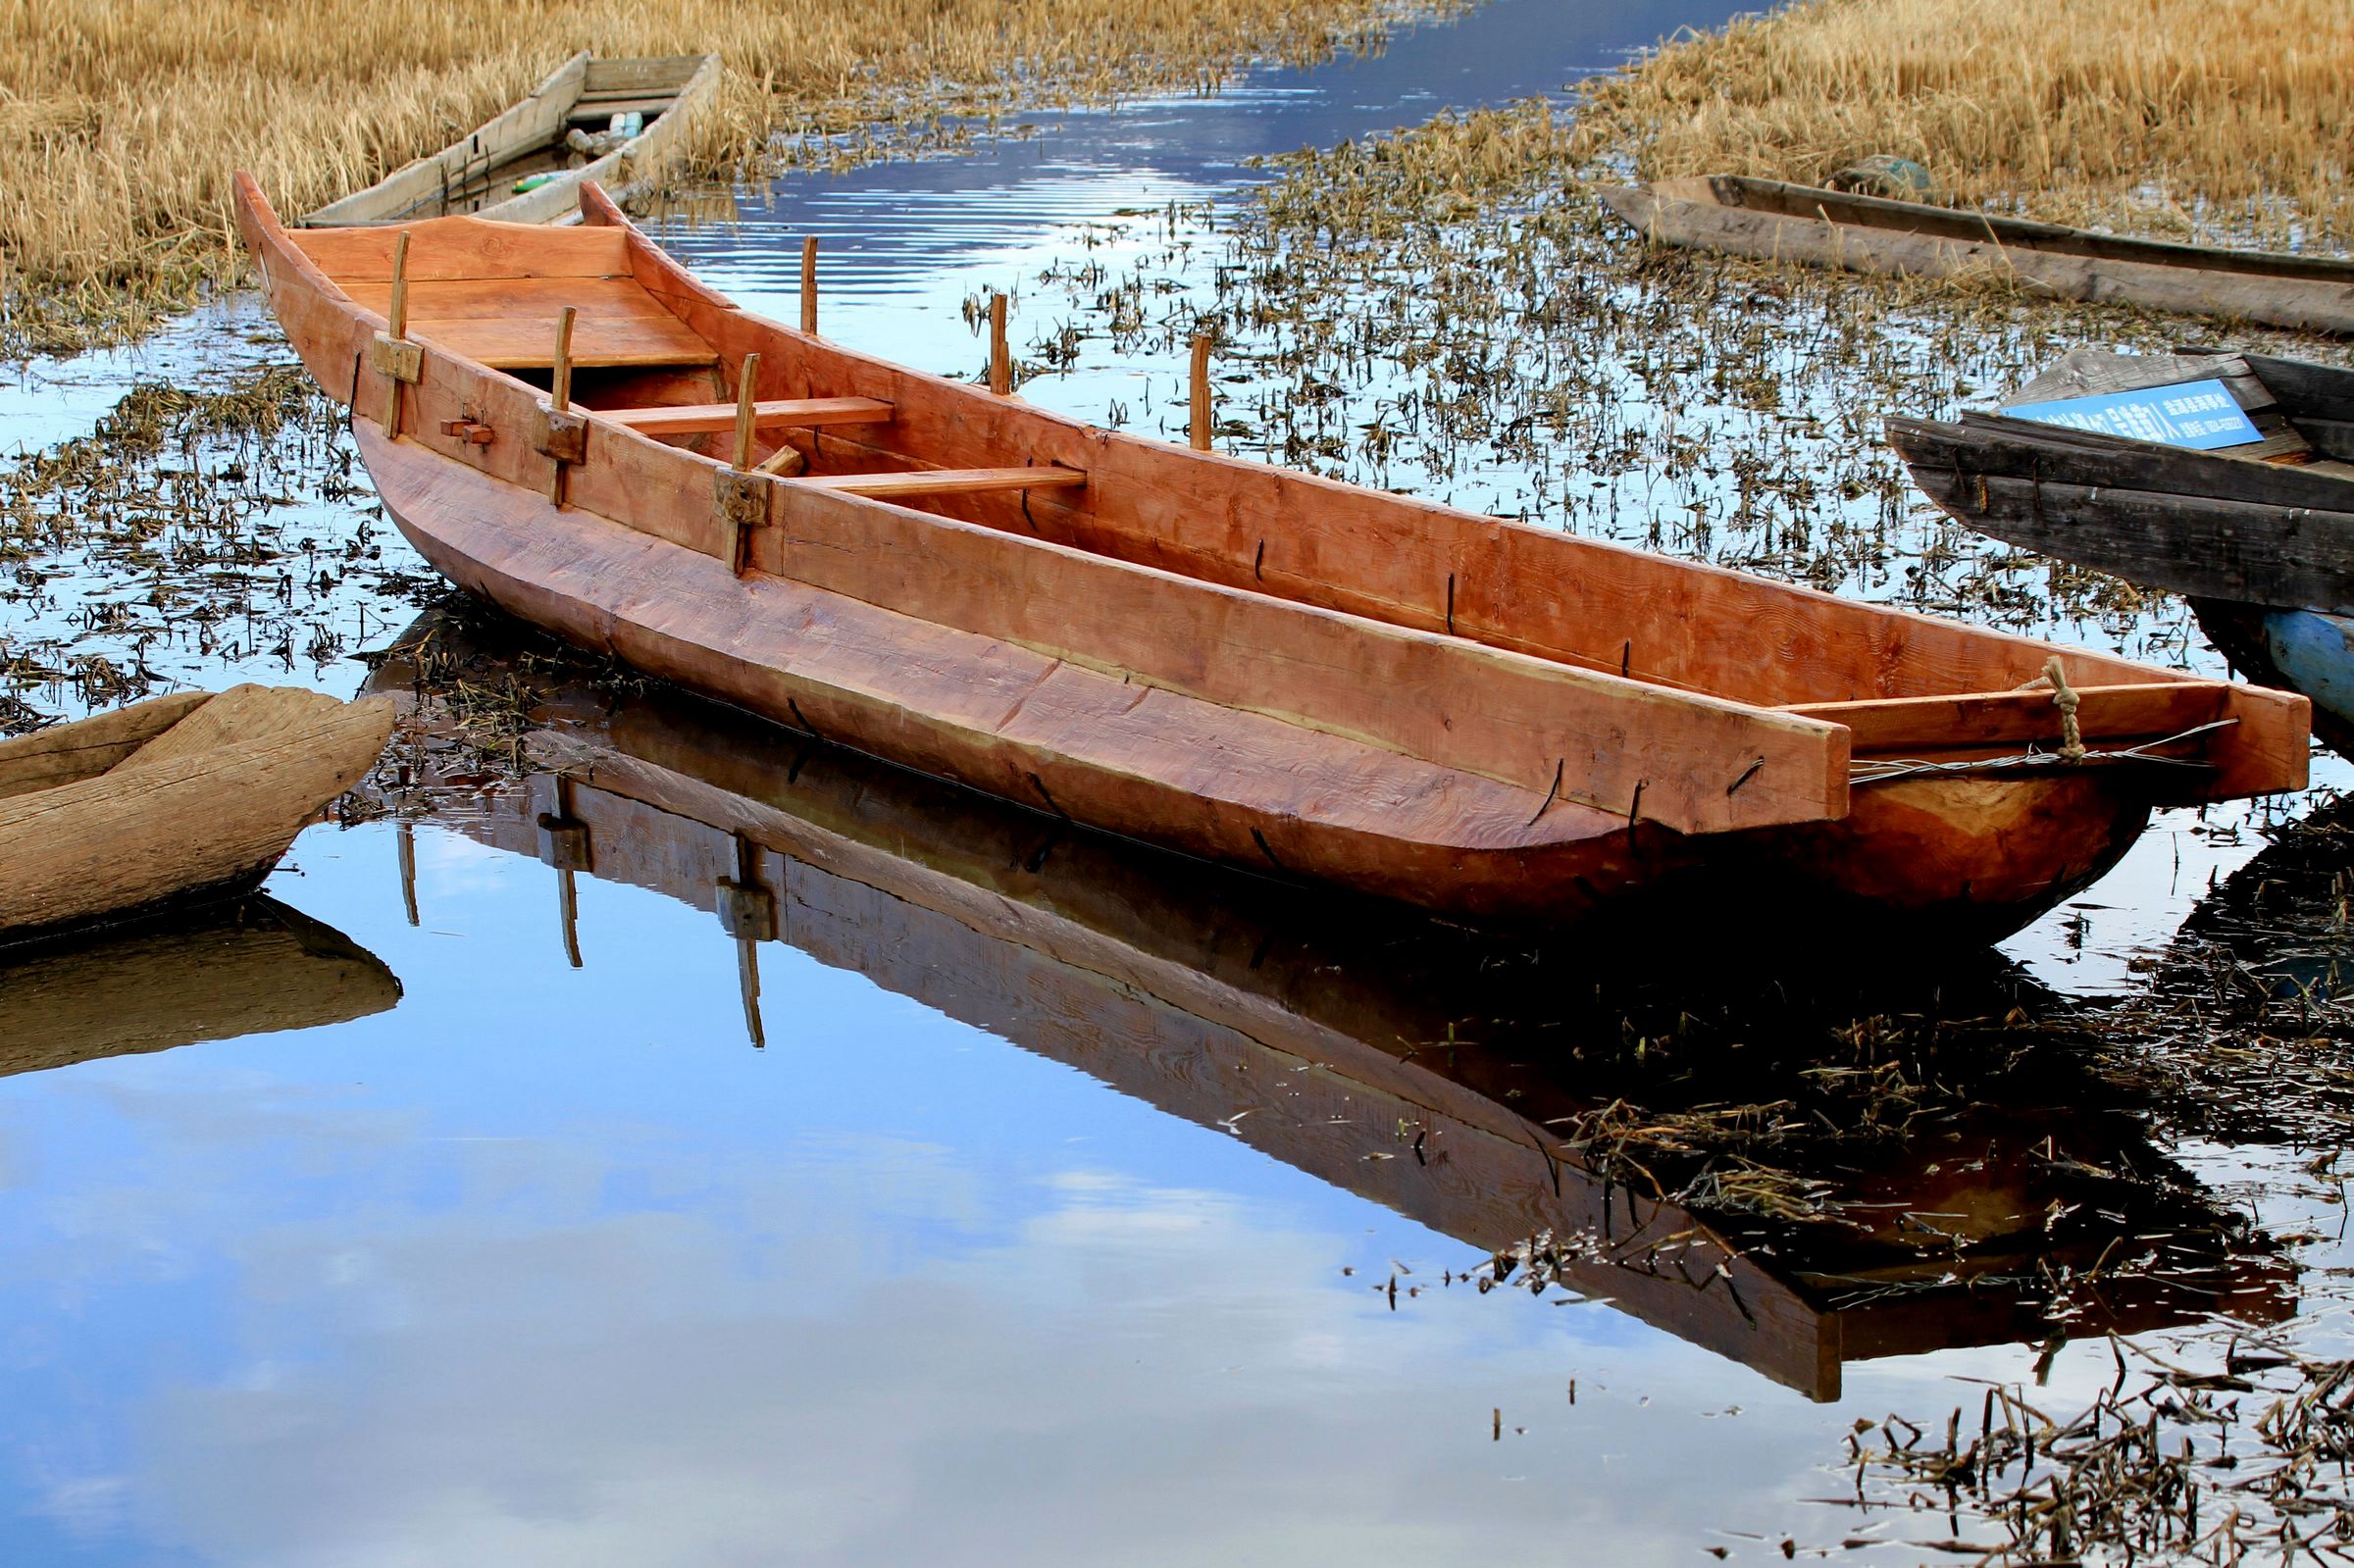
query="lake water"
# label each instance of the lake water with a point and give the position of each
(760, 1156)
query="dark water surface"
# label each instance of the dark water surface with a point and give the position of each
(745, 1154)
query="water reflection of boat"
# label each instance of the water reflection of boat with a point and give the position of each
(251, 967)
(1403, 1060)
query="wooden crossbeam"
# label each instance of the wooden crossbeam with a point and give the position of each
(945, 481)
(695, 419)
(1986, 718)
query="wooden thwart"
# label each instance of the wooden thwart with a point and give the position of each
(947, 480)
(699, 419)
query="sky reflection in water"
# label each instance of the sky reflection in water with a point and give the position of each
(549, 1266)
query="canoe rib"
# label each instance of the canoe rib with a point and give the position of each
(1689, 213)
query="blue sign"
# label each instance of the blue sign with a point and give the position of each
(2202, 415)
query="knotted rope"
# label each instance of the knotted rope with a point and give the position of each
(2066, 699)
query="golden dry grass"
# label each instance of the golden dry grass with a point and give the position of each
(2217, 118)
(125, 118)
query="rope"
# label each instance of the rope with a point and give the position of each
(2066, 699)
(1881, 769)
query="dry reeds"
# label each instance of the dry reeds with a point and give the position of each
(2204, 118)
(127, 116)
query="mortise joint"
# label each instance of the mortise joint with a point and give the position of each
(747, 911)
(396, 357)
(562, 434)
(740, 504)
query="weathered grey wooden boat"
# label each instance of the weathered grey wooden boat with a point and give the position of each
(2259, 534)
(251, 966)
(1250, 664)
(1413, 1063)
(537, 137)
(174, 800)
(1820, 227)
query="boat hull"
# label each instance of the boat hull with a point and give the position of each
(1970, 856)
(1915, 240)
(2306, 651)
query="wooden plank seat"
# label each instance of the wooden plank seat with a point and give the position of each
(697, 419)
(945, 480)
(510, 323)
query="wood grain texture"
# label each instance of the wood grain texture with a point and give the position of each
(706, 418)
(183, 815)
(2131, 521)
(86, 748)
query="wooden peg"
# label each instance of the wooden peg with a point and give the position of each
(1000, 361)
(746, 388)
(740, 492)
(400, 362)
(1200, 427)
(560, 383)
(809, 284)
(398, 316)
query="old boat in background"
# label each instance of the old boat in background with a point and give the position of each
(2257, 533)
(563, 131)
(1246, 663)
(1863, 234)
(1392, 1056)
(175, 800)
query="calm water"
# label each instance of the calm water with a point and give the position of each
(968, 1193)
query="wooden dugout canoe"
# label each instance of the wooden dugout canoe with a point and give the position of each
(2258, 536)
(177, 799)
(1237, 661)
(479, 174)
(1818, 227)
(1385, 1054)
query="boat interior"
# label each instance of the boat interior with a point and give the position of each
(584, 94)
(652, 351)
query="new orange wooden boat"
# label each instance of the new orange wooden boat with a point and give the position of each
(1238, 661)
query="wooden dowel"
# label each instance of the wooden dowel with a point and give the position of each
(809, 284)
(1000, 361)
(746, 396)
(398, 316)
(560, 385)
(1200, 425)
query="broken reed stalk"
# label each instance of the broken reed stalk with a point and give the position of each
(1200, 425)
(1000, 357)
(809, 284)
